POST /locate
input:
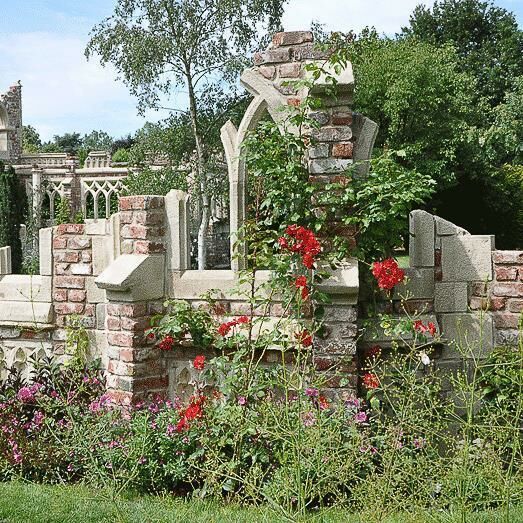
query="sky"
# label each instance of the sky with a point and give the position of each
(42, 44)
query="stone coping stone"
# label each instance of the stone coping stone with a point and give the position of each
(22, 312)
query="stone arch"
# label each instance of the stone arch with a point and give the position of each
(266, 99)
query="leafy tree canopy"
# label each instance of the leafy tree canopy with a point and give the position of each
(486, 37)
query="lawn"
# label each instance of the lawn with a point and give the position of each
(29, 503)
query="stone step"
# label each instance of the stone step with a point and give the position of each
(26, 313)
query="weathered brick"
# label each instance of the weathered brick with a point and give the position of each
(514, 290)
(76, 295)
(66, 257)
(506, 320)
(152, 217)
(61, 268)
(291, 70)
(332, 134)
(59, 243)
(343, 150)
(86, 257)
(70, 228)
(508, 257)
(342, 118)
(506, 273)
(273, 56)
(292, 38)
(135, 324)
(113, 323)
(78, 243)
(141, 203)
(515, 305)
(60, 295)
(148, 247)
(267, 71)
(121, 339)
(69, 308)
(126, 217)
(69, 282)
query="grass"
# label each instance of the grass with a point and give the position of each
(29, 503)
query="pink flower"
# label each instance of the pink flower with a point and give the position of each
(309, 419)
(242, 400)
(311, 392)
(360, 417)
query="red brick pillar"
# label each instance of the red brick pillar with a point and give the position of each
(72, 265)
(136, 368)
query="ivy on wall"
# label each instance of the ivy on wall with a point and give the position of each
(11, 213)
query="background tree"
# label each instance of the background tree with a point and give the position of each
(199, 45)
(12, 200)
(486, 37)
(31, 141)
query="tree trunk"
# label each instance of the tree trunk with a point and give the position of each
(201, 174)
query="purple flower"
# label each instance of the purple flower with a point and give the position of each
(25, 394)
(171, 429)
(360, 417)
(311, 392)
(242, 400)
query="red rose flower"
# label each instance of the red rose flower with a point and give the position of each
(182, 425)
(224, 329)
(418, 326)
(242, 319)
(166, 344)
(431, 328)
(370, 380)
(373, 352)
(387, 273)
(199, 362)
(301, 241)
(304, 337)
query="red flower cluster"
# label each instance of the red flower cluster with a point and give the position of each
(167, 343)
(302, 241)
(371, 381)
(301, 283)
(423, 329)
(193, 411)
(226, 327)
(199, 362)
(304, 337)
(387, 273)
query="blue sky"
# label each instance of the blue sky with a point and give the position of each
(42, 45)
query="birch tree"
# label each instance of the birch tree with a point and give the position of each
(196, 47)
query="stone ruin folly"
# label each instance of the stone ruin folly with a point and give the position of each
(11, 124)
(115, 273)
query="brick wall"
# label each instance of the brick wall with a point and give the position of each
(503, 297)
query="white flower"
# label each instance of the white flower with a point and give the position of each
(425, 358)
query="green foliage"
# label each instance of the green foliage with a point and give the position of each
(77, 342)
(12, 199)
(182, 320)
(64, 213)
(170, 141)
(486, 37)
(423, 103)
(155, 181)
(121, 156)
(31, 141)
(378, 205)
(502, 142)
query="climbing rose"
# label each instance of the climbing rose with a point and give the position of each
(226, 327)
(423, 329)
(167, 343)
(301, 241)
(304, 337)
(387, 273)
(370, 380)
(301, 283)
(199, 362)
